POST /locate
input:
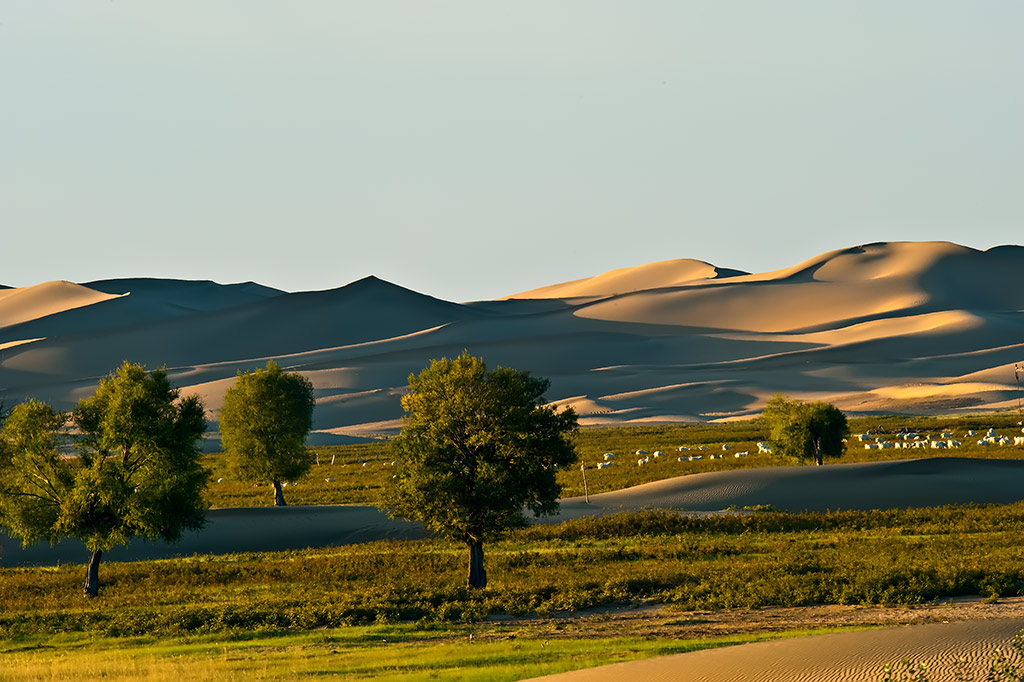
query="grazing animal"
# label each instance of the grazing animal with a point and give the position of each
(604, 465)
(642, 461)
(1018, 440)
(741, 454)
(608, 456)
(683, 448)
(329, 480)
(641, 452)
(726, 447)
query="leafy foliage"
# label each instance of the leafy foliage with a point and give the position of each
(477, 447)
(805, 430)
(137, 470)
(264, 422)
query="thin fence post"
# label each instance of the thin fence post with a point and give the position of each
(586, 491)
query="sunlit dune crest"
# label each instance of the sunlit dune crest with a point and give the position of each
(41, 300)
(904, 326)
(669, 273)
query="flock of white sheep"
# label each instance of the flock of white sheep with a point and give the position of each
(645, 457)
(942, 441)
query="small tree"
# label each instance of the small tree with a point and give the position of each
(805, 430)
(136, 473)
(263, 424)
(476, 449)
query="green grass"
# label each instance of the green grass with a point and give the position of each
(360, 471)
(722, 562)
(379, 653)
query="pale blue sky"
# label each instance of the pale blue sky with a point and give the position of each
(474, 149)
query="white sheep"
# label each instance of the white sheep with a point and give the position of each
(329, 480)
(764, 449)
(870, 446)
(641, 452)
(741, 454)
(938, 445)
(642, 461)
(682, 448)
(604, 465)
(953, 443)
(1018, 440)
(726, 447)
(658, 453)
(609, 456)
(695, 458)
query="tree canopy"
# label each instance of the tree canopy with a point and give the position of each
(264, 422)
(805, 431)
(476, 450)
(132, 469)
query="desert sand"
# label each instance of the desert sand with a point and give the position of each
(917, 327)
(857, 656)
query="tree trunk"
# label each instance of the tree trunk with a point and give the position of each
(92, 575)
(817, 451)
(477, 574)
(278, 495)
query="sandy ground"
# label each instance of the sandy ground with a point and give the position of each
(839, 657)
(256, 529)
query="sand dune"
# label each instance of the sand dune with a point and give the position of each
(875, 485)
(840, 657)
(668, 273)
(914, 327)
(42, 300)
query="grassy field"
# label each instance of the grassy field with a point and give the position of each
(359, 471)
(722, 562)
(328, 612)
(386, 653)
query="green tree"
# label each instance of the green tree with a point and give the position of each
(477, 448)
(263, 424)
(805, 430)
(135, 469)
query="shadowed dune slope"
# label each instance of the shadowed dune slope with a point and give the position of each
(907, 326)
(873, 485)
